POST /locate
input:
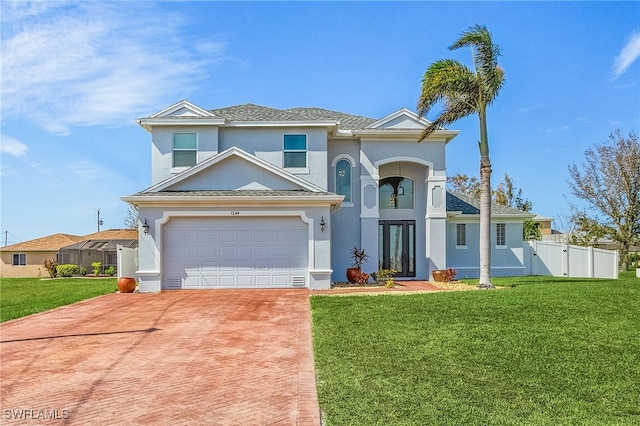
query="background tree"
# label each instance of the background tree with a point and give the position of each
(463, 92)
(464, 184)
(507, 194)
(609, 183)
(131, 219)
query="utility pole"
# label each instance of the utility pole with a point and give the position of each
(100, 222)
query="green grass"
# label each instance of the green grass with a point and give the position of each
(25, 296)
(549, 351)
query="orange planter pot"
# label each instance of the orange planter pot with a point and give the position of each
(438, 275)
(352, 274)
(126, 285)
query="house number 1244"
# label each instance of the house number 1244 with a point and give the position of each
(235, 213)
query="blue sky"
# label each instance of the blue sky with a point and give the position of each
(76, 75)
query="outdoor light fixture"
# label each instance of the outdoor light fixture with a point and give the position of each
(145, 226)
(322, 224)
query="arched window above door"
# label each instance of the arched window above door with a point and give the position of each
(396, 192)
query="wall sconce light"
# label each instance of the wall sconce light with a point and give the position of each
(322, 224)
(145, 226)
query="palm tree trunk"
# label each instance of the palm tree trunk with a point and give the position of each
(485, 204)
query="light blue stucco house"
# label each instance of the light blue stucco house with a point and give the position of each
(254, 197)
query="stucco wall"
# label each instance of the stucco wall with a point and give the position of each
(268, 144)
(33, 268)
(162, 148)
(505, 261)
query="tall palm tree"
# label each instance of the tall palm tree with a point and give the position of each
(462, 92)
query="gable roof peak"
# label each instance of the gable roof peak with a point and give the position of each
(183, 108)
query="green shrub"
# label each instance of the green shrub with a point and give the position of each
(67, 270)
(83, 271)
(97, 266)
(111, 271)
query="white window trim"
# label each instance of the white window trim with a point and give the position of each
(334, 164)
(179, 169)
(463, 247)
(19, 254)
(501, 246)
(297, 170)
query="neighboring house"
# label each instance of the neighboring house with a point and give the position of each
(98, 247)
(26, 259)
(251, 196)
(545, 224)
(463, 237)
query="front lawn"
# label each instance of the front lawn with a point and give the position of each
(25, 296)
(549, 351)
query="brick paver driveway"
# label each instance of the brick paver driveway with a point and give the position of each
(218, 357)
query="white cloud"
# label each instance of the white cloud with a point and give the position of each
(12, 146)
(91, 63)
(630, 52)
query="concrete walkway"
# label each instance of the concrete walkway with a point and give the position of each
(215, 357)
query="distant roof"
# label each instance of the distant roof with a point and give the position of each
(457, 202)
(48, 243)
(252, 112)
(113, 234)
(56, 241)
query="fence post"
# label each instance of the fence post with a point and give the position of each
(565, 260)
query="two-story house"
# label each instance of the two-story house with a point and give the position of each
(251, 196)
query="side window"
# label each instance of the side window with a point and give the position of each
(19, 259)
(501, 234)
(343, 179)
(295, 151)
(185, 149)
(461, 235)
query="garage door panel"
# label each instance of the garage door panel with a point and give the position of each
(235, 252)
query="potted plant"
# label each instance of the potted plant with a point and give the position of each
(444, 275)
(359, 257)
(386, 277)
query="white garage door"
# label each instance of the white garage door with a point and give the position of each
(235, 252)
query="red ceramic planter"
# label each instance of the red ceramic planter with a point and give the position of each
(352, 274)
(126, 285)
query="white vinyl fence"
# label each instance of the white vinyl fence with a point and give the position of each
(565, 260)
(127, 261)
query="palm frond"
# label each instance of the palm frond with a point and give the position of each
(485, 58)
(454, 109)
(444, 79)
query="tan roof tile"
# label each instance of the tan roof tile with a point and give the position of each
(50, 242)
(113, 234)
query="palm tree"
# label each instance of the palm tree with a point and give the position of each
(463, 92)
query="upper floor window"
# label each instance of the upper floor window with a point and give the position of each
(19, 259)
(185, 149)
(343, 179)
(501, 234)
(396, 193)
(295, 151)
(461, 234)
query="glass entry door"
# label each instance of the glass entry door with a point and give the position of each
(396, 246)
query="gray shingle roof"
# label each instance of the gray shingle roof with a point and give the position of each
(252, 112)
(471, 205)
